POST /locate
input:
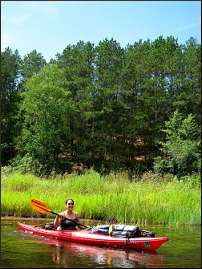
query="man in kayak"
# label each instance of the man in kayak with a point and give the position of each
(70, 220)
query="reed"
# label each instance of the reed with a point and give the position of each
(110, 199)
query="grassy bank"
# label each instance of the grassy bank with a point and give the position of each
(146, 201)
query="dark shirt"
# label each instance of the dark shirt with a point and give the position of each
(68, 224)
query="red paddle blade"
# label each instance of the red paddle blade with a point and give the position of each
(39, 206)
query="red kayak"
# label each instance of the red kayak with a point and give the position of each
(88, 237)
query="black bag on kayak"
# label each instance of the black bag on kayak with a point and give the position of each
(147, 233)
(125, 231)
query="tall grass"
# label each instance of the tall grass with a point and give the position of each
(110, 198)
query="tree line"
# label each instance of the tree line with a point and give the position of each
(101, 106)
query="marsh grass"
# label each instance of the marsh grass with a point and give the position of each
(111, 198)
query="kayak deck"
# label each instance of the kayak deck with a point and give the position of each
(87, 237)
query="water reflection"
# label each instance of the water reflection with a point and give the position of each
(109, 257)
(64, 254)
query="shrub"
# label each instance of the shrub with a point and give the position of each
(182, 147)
(26, 164)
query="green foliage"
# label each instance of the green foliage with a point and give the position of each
(162, 166)
(153, 199)
(9, 99)
(104, 106)
(26, 164)
(181, 146)
(18, 183)
(77, 63)
(31, 64)
(46, 106)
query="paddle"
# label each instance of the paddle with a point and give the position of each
(43, 208)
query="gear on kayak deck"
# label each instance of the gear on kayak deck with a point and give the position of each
(121, 230)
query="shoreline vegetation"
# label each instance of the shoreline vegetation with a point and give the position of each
(151, 199)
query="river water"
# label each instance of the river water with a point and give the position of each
(25, 250)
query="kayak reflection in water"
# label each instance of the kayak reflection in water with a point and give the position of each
(68, 254)
(61, 223)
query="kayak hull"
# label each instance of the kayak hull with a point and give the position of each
(87, 237)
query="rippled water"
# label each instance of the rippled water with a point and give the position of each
(24, 250)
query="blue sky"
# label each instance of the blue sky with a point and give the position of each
(49, 26)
